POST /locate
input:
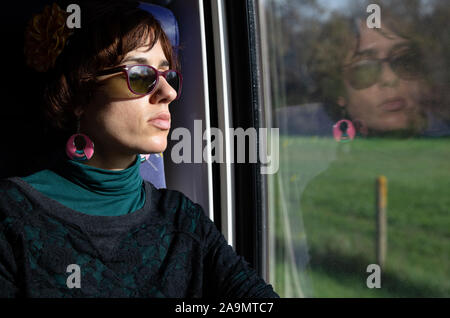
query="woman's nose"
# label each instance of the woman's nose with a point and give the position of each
(388, 77)
(164, 93)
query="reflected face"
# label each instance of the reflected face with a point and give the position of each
(382, 83)
(120, 121)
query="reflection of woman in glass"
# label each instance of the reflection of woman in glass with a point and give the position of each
(112, 81)
(381, 80)
(375, 77)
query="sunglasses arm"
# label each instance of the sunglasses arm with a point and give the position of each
(111, 71)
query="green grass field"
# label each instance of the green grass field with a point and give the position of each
(324, 198)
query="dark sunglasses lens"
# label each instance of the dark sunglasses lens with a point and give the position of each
(364, 74)
(142, 79)
(408, 65)
(173, 79)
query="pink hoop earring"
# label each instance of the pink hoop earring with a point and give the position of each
(344, 131)
(83, 154)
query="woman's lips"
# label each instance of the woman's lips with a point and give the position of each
(393, 104)
(161, 121)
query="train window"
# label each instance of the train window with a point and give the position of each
(192, 176)
(360, 93)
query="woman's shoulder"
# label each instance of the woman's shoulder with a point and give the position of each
(174, 206)
(164, 207)
(171, 199)
(12, 194)
(11, 188)
(14, 203)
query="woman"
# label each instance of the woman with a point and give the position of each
(377, 78)
(89, 226)
(380, 80)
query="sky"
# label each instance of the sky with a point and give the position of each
(333, 4)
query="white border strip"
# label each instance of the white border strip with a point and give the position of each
(207, 115)
(224, 114)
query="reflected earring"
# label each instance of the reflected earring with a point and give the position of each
(344, 131)
(85, 152)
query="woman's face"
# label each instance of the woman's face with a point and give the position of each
(392, 101)
(120, 122)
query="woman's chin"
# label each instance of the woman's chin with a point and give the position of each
(156, 145)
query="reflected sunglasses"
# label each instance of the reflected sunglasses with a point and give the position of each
(143, 79)
(363, 74)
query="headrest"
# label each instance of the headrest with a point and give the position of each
(152, 170)
(167, 20)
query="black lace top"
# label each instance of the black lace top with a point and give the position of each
(168, 248)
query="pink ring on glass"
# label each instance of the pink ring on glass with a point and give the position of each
(83, 154)
(344, 130)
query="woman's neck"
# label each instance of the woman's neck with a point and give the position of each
(111, 162)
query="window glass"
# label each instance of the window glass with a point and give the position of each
(360, 93)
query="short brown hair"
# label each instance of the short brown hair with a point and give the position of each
(109, 30)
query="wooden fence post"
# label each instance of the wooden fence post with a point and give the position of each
(381, 190)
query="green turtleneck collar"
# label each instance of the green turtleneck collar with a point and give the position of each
(92, 190)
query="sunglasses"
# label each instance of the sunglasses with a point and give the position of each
(406, 65)
(143, 79)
